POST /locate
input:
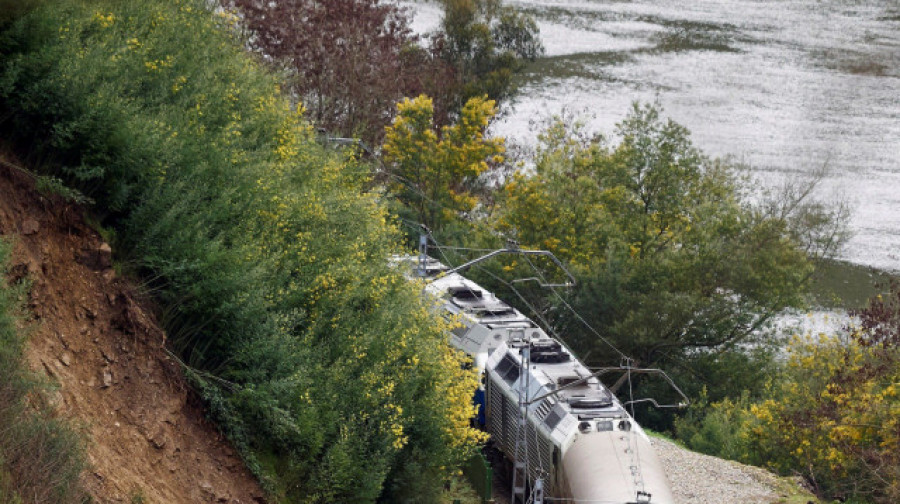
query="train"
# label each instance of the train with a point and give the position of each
(568, 438)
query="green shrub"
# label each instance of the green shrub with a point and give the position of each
(830, 417)
(268, 257)
(716, 429)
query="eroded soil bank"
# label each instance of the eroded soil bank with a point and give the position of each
(92, 334)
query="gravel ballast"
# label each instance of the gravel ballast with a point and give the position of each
(701, 479)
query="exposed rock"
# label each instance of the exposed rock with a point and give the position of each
(158, 440)
(106, 378)
(50, 371)
(30, 227)
(107, 357)
(101, 343)
(98, 259)
(17, 272)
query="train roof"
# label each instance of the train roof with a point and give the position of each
(560, 390)
(564, 400)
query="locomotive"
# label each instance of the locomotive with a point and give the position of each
(568, 436)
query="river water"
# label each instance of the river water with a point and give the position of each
(786, 86)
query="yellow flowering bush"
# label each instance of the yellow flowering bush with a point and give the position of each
(835, 418)
(266, 253)
(432, 171)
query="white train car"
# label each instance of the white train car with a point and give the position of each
(579, 440)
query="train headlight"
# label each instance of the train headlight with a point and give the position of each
(625, 425)
(585, 427)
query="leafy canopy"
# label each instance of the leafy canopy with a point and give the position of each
(349, 61)
(675, 265)
(486, 43)
(266, 253)
(436, 173)
(832, 414)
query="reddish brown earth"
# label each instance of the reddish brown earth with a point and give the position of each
(98, 339)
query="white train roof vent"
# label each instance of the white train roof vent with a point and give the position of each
(556, 415)
(548, 351)
(465, 293)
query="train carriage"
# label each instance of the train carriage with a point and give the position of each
(543, 408)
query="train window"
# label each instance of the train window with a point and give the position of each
(459, 331)
(503, 366)
(513, 374)
(508, 369)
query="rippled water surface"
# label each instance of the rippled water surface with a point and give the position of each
(786, 86)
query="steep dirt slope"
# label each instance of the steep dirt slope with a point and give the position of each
(148, 440)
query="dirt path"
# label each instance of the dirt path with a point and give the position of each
(148, 440)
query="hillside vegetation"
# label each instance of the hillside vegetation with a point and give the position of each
(264, 249)
(268, 251)
(40, 456)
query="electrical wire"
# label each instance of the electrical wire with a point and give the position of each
(449, 263)
(577, 315)
(537, 314)
(466, 249)
(633, 445)
(633, 450)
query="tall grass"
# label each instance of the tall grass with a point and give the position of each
(266, 254)
(41, 458)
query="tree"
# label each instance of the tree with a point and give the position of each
(349, 61)
(676, 267)
(435, 173)
(486, 42)
(831, 414)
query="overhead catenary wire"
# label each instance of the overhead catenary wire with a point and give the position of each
(446, 259)
(565, 303)
(515, 291)
(530, 306)
(633, 445)
(627, 361)
(464, 249)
